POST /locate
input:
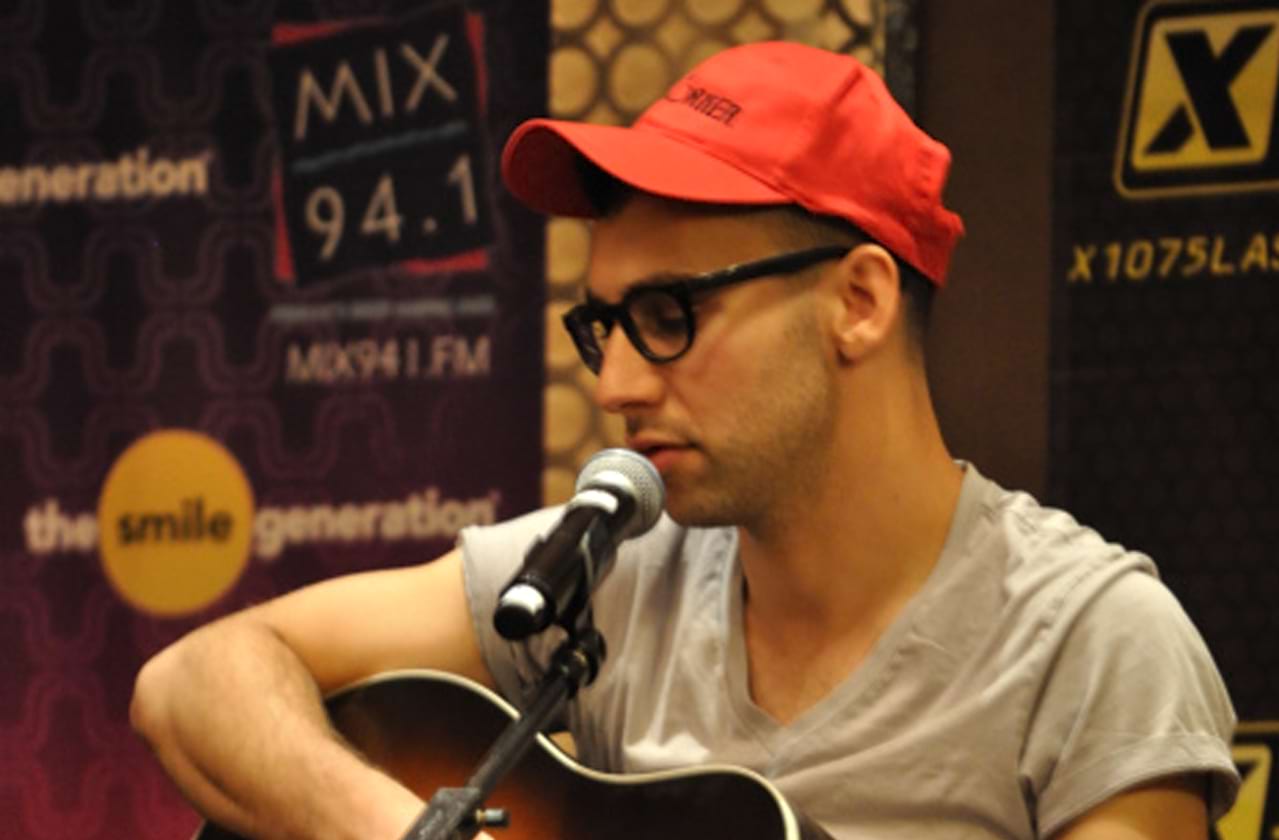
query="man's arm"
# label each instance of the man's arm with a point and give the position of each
(1168, 809)
(234, 710)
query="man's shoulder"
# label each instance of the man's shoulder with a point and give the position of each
(1041, 583)
(1029, 567)
(1033, 538)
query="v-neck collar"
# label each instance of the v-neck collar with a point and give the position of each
(867, 681)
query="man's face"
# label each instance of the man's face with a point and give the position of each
(738, 424)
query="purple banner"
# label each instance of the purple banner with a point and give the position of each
(266, 316)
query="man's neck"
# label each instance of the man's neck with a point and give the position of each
(824, 579)
(870, 527)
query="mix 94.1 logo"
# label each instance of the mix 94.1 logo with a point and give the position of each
(380, 143)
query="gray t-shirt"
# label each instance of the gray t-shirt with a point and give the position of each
(1039, 671)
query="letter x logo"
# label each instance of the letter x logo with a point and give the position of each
(1253, 815)
(1200, 112)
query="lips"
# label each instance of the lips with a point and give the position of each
(645, 445)
(661, 451)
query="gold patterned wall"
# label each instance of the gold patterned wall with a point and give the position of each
(609, 60)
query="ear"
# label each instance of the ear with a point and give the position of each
(868, 301)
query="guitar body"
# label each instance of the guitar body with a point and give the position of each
(431, 730)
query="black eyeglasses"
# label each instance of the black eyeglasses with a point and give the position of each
(658, 318)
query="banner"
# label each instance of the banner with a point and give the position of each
(266, 316)
(1165, 348)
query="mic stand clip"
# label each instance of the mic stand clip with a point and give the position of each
(459, 813)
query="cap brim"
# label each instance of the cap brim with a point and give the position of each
(540, 167)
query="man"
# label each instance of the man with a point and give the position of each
(904, 648)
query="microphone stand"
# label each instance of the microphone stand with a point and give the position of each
(459, 813)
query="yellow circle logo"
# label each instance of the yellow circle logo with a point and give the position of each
(175, 518)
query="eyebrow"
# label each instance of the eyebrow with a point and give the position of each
(653, 281)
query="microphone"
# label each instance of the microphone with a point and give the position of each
(619, 495)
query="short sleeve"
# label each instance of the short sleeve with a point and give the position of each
(1133, 695)
(491, 554)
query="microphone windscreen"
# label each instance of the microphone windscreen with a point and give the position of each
(623, 468)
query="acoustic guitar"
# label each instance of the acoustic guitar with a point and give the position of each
(430, 730)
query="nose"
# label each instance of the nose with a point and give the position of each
(627, 381)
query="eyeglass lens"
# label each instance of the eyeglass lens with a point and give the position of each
(657, 321)
(661, 321)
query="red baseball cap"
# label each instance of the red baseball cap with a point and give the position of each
(764, 123)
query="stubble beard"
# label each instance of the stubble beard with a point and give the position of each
(771, 459)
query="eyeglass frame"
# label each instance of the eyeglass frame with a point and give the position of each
(580, 319)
